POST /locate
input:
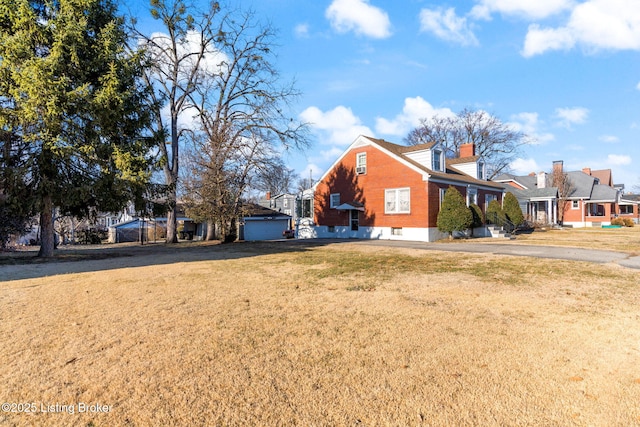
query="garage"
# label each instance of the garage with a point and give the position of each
(265, 228)
(264, 224)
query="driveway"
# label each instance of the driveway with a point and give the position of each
(515, 249)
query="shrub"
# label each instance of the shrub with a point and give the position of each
(617, 221)
(512, 209)
(628, 222)
(495, 215)
(454, 214)
(478, 216)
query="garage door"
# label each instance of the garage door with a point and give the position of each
(264, 229)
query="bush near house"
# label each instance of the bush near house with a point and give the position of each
(495, 214)
(478, 216)
(512, 209)
(454, 214)
(625, 222)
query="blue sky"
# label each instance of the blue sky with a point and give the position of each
(566, 72)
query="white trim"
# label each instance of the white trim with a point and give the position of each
(415, 234)
(332, 203)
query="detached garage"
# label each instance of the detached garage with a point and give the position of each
(264, 224)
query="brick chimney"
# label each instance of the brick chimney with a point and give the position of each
(467, 150)
(268, 196)
(558, 166)
(587, 171)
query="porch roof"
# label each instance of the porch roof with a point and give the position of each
(351, 206)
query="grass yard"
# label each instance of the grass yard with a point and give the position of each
(314, 335)
(618, 239)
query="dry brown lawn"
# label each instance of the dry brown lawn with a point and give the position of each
(315, 335)
(626, 239)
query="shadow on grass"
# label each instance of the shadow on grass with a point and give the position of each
(26, 265)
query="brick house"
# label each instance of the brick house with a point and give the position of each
(380, 190)
(592, 199)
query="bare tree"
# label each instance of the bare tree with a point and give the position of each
(561, 180)
(274, 176)
(241, 106)
(176, 62)
(494, 140)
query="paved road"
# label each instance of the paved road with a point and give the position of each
(551, 252)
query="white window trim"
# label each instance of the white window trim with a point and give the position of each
(361, 166)
(333, 203)
(437, 154)
(396, 195)
(577, 202)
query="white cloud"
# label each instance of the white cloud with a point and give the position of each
(638, 86)
(360, 17)
(539, 40)
(529, 124)
(528, 9)
(571, 116)
(161, 44)
(301, 30)
(594, 25)
(618, 159)
(337, 127)
(609, 139)
(445, 24)
(413, 110)
(524, 166)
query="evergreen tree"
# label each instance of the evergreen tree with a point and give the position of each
(454, 214)
(495, 214)
(70, 99)
(512, 209)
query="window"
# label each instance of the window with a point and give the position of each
(442, 192)
(285, 202)
(334, 200)
(480, 170)
(472, 196)
(331, 229)
(488, 198)
(575, 204)
(397, 200)
(626, 209)
(396, 231)
(361, 163)
(307, 208)
(437, 160)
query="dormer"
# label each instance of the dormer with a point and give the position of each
(469, 163)
(430, 156)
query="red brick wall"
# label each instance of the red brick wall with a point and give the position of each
(383, 172)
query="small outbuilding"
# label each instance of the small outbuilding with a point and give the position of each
(262, 223)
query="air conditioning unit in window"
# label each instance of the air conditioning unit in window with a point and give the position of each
(361, 170)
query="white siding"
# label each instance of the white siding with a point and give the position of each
(423, 157)
(470, 169)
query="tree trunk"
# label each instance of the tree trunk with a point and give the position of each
(172, 212)
(47, 234)
(211, 230)
(172, 225)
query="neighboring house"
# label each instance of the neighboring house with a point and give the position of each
(629, 207)
(591, 198)
(263, 223)
(282, 203)
(380, 190)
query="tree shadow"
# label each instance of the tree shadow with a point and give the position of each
(343, 181)
(25, 265)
